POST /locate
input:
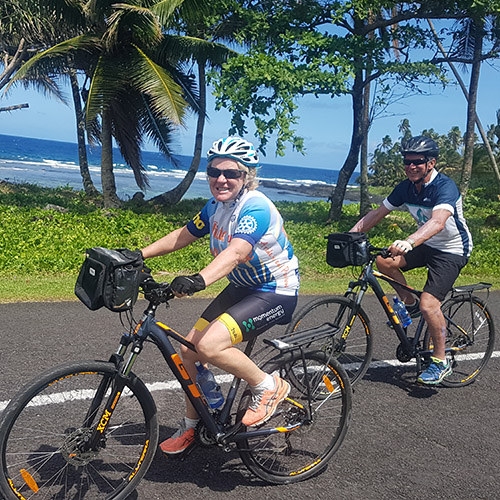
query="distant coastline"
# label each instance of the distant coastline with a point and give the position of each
(53, 164)
(316, 190)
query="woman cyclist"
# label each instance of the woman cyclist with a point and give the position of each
(250, 248)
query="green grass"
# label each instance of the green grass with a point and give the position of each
(41, 250)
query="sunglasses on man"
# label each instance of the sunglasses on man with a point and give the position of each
(230, 173)
(416, 162)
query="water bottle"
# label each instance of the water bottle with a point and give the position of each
(210, 388)
(401, 312)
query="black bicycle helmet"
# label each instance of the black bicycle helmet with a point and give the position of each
(420, 145)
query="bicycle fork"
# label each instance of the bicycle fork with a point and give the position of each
(116, 385)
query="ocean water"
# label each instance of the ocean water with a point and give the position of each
(54, 163)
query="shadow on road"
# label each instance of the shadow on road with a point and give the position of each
(402, 377)
(205, 467)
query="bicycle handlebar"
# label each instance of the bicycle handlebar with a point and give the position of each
(382, 251)
(156, 293)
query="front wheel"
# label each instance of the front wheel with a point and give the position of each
(470, 338)
(355, 352)
(308, 426)
(44, 429)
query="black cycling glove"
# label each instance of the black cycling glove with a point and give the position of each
(187, 285)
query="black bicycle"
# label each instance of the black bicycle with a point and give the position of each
(343, 327)
(89, 430)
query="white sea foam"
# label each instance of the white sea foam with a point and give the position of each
(53, 173)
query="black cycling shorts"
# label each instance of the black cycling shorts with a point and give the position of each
(248, 313)
(443, 268)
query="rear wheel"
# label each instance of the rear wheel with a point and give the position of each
(355, 353)
(43, 436)
(308, 426)
(470, 337)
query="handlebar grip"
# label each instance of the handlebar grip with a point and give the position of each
(382, 251)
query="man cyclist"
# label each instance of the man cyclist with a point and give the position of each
(442, 242)
(251, 248)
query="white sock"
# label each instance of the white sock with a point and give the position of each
(266, 385)
(191, 423)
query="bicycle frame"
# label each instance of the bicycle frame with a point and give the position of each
(369, 278)
(160, 334)
(409, 346)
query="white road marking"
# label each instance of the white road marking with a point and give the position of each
(172, 385)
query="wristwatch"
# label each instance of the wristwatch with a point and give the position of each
(411, 241)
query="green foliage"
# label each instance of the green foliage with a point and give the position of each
(317, 48)
(139, 85)
(386, 166)
(39, 245)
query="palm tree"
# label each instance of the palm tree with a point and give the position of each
(138, 89)
(27, 29)
(219, 26)
(470, 35)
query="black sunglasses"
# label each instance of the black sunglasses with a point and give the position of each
(230, 173)
(420, 161)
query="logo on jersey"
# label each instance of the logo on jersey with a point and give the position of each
(422, 218)
(247, 225)
(249, 325)
(198, 222)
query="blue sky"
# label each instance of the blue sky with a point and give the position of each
(325, 123)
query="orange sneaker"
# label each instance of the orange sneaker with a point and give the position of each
(264, 404)
(178, 442)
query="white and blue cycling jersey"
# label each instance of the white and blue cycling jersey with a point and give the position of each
(439, 193)
(271, 265)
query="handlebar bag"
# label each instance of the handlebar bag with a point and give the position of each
(347, 249)
(109, 278)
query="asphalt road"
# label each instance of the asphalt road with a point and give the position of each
(404, 442)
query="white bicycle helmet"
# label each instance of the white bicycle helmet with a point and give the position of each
(236, 148)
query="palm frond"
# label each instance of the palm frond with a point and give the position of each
(47, 86)
(107, 82)
(132, 24)
(193, 10)
(153, 80)
(125, 113)
(165, 10)
(188, 84)
(158, 130)
(55, 60)
(93, 131)
(464, 38)
(97, 10)
(186, 48)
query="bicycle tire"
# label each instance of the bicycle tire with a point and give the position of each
(356, 353)
(42, 426)
(468, 358)
(286, 457)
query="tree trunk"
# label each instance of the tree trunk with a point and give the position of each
(111, 199)
(173, 196)
(14, 64)
(88, 185)
(338, 194)
(471, 112)
(486, 142)
(13, 108)
(364, 195)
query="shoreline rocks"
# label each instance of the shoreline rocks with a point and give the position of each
(316, 190)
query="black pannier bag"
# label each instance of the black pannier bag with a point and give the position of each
(347, 249)
(110, 278)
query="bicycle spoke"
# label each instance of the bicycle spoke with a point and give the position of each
(45, 449)
(316, 409)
